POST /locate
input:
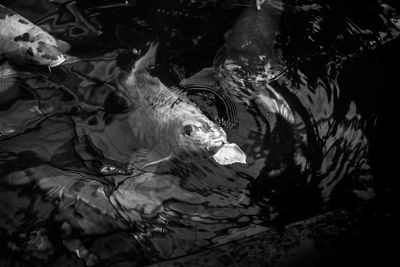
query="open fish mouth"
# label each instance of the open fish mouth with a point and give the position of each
(229, 153)
(225, 153)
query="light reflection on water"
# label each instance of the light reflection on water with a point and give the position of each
(64, 127)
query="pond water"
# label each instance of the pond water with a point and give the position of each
(67, 196)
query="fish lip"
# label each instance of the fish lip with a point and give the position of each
(216, 144)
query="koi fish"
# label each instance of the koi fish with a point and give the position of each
(23, 42)
(249, 59)
(168, 125)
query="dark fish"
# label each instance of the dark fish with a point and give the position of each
(249, 59)
(25, 43)
(167, 124)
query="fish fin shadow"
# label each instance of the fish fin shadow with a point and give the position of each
(147, 159)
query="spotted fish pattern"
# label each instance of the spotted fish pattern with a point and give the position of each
(23, 42)
(250, 59)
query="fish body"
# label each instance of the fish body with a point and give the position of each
(250, 59)
(168, 123)
(23, 42)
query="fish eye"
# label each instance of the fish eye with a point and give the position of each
(188, 130)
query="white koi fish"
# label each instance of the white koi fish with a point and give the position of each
(167, 124)
(22, 42)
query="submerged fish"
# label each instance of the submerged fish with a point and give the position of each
(168, 125)
(25, 43)
(249, 59)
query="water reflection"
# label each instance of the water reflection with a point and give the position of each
(66, 184)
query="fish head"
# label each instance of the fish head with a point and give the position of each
(200, 134)
(199, 137)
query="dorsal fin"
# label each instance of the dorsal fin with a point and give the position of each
(177, 90)
(146, 61)
(143, 63)
(206, 77)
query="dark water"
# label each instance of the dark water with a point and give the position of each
(67, 197)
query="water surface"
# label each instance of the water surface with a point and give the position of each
(67, 196)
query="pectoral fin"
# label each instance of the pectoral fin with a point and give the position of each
(230, 153)
(204, 77)
(145, 158)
